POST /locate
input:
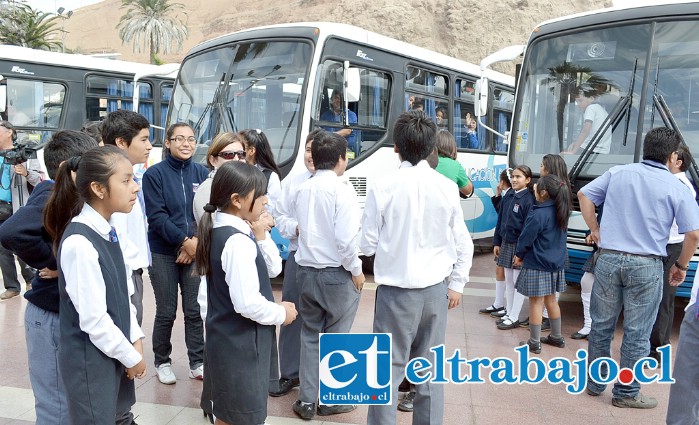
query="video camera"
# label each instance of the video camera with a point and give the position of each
(20, 152)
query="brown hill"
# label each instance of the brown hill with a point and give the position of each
(468, 30)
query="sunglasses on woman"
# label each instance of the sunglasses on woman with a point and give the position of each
(228, 155)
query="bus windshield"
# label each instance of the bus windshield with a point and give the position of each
(594, 94)
(247, 85)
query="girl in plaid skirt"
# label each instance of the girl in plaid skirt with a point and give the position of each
(514, 208)
(541, 253)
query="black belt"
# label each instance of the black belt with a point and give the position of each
(613, 251)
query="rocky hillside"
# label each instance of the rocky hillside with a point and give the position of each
(469, 30)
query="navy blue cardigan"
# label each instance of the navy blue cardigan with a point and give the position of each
(24, 234)
(168, 191)
(542, 244)
(514, 208)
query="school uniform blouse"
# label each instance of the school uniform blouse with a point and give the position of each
(274, 190)
(238, 259)
(86, 288)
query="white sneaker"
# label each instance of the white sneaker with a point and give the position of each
(197, 373)
(165, 374)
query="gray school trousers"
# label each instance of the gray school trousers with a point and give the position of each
(290, 335)
(417, 318)
(328, 304)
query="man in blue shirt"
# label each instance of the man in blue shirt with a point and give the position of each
(640, 202)
(334, 114)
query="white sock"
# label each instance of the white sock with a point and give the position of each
(499, 294)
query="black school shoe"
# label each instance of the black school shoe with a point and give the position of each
(304, 411)
(556, 342)
(285, 386)
(534, 346)
(490, 309)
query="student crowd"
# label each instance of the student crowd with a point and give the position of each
(94, 227)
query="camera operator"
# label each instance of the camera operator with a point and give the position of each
(15, 174)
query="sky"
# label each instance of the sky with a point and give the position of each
(51, 6)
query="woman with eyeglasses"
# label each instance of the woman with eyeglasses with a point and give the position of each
(259, 154)
(225, 147)
(168, 189)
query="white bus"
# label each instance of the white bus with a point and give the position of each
(280, 79)
(42, 92)
(640, 65)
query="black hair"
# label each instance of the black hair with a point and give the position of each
(505, 177)
(660, 143)
(64, 145)
(684, 154)
(232, 177)
(414, 136)
(93, 129)
(559, 193)
(327, 151)
(263, 151)
(315, 135)
(527, 173)
(124, 124)
(556, 165)
(96, 165)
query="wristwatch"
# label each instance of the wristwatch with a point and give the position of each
(681, 267)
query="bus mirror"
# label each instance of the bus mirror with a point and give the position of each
(481, 95)
(352, 84)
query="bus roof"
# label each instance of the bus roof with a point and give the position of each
(24, 54)
(616, 14)
(350, 32)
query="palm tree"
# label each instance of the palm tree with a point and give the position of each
(149, 23)
(24, 26)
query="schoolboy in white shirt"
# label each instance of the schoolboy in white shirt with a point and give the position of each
(414, 225)
(329, 268)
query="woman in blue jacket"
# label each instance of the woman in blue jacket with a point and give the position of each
(168, 189)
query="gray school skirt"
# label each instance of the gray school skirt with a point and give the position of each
(537, 283)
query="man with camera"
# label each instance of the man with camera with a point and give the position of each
(16, 171)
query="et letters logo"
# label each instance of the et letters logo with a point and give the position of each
(355, 368)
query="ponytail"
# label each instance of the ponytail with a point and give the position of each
(64, 203)
(559, 192)
(204, 229)
(232, 177)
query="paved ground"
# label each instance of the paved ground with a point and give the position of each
(475, 335)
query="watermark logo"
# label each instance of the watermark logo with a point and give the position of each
(355, 369)
(524, 369)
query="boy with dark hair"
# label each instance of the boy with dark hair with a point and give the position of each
(24, 234)
(129, 131)
(122, 127)
(418, 282)
(329, 268)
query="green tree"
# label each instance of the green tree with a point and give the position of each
(150, 23)
(24, 26)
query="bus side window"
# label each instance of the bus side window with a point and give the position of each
(371, 110)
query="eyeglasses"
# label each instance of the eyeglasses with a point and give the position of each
(228, 155)
(181, 139)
